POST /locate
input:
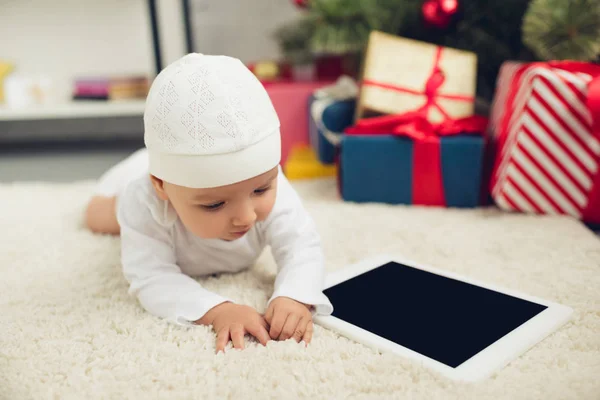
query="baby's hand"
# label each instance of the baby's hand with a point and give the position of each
(231, 320)
(289, 319)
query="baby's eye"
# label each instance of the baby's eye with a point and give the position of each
(261, 190)
(213, 207)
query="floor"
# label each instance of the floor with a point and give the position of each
(65, 162)
(69, 329)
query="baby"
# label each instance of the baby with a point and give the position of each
(207, 195)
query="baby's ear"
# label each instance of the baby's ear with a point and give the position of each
(159, 187)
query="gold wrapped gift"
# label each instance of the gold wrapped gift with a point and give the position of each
(402, 75)
(5, 69)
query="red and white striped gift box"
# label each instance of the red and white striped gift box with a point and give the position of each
(545, 121)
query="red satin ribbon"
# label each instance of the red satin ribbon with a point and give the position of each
(432, 86)
(416, 126)
(427, 170)
(592, 211)
(428, 188)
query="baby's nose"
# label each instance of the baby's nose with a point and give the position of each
(246, 217)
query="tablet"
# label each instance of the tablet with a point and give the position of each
(464, 329)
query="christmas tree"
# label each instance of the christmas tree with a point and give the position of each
(338, 26)
(558, 29)
(490, 29)
(493, 30)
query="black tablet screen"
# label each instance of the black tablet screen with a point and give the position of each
(441, 318)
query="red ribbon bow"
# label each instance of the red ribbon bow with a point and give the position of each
(431, 90)
(416, 126)
(427, 162)
(427, 165)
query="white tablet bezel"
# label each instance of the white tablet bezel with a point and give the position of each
(483, 364)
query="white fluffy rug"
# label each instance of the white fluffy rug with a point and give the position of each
(68, 329)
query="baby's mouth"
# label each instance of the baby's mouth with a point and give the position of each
(240, 232)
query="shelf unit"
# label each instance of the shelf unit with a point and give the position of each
(90, 119)
(74, 110)
(77, 120)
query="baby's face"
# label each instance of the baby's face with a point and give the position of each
(225, 212)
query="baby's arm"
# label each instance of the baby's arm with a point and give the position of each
(296, 247)
(149, 265)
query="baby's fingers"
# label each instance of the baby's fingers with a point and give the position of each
(222, 339)
(237, 336)
(308, 333)
(300, 330)
(277, 324)
(269, 314)
(290, 327)
(259, 332)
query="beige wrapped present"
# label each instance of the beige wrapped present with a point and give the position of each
(402, 75)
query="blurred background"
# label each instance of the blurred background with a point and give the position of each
(74, 73)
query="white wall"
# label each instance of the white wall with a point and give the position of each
(67, 38)
(64, 39)
(240, 28)
(171, 30)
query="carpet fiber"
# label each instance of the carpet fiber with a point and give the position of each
(69, 330)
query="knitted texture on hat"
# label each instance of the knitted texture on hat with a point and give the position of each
(206, 105)
(209, 122)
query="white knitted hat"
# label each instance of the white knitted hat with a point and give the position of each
(209, 122)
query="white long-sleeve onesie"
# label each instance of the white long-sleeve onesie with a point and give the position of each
(160, 256)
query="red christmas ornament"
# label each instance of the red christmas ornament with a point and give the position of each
(439, 13)
(301, 3)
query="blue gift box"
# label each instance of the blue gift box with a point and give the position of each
(381, 168)
(335, 117)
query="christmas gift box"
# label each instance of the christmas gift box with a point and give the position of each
(5, 70)
(546, 124)
(405, 159)
(302, 163)
(290, 100)
(402, 75)
(331, 110)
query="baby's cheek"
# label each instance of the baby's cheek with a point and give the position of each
(265, 207)
(213, 226)
(203, 225)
